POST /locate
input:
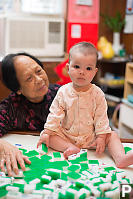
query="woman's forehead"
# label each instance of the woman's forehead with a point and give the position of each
(24, 65)
(24, 62)
(22, 59)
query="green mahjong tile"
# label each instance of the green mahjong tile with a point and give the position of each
(126, 148)
(69, 195)
(74, 175)
(61, 195)
(74, 167)
(97, 183)
(63, 176)
(78, 160)
(31, 153)
(46, 157)
(54, 173)
(59, 164)
(114, 178)
(44, 148)
(57, 154)
(83, 196)
(79, 184)
(84, 166)
(39, 186)
(32, 174)
(49, 189)
(83, 155)
(45, 179)
(3, 193)
(108, 169)
(103, 175)
(72, 186)
(20, 186)
(93, 162)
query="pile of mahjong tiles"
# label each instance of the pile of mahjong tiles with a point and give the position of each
(51, 176)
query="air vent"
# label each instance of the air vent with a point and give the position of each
(27, 34)
(40, 36)
(54, 32)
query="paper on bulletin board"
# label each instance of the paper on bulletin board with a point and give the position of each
(129, 24)
(76, 31)
(129, 7)
(85, 2)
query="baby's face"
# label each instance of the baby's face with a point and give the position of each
(82, 69)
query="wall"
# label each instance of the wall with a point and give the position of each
(110, 7)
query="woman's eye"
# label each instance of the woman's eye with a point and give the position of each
(76, 66)
(39, 71)
(29, 79)
(88, 68)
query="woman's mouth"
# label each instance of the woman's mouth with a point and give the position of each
(42, 87)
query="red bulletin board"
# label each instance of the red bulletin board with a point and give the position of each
(83, 32)
(82, 23)
(83, 13)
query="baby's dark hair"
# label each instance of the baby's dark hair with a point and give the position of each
(84, 47)
(8, 73)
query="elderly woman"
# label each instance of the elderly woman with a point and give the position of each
(27, 107)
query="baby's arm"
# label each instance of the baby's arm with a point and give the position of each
(99, 143)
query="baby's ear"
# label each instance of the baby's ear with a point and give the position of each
(67, 66)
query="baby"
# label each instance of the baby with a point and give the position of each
(78, 114)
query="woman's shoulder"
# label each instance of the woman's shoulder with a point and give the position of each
(11, 98)
(11, 102)
(54, 87)
(52, 90)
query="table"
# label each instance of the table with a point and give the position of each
(30, 141)
(94, 172)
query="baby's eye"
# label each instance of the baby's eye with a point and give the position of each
(76, 66)
(88, 68)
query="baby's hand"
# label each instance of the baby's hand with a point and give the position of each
(44, 138)
(99, 143)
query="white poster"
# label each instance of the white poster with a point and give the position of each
(129, 17)
(49, 7)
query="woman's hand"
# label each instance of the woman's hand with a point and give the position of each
(10, 156)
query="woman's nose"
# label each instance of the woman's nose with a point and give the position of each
(38, 79)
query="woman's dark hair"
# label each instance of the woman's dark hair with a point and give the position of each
(8, 72)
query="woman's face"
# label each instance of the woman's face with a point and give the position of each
(32, 78)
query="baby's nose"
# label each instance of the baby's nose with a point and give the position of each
(81, 71)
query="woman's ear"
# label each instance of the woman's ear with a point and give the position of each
(19, 92)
